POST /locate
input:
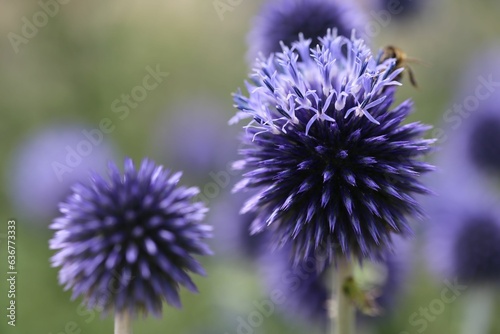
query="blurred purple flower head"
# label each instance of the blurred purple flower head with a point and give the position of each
(232, 237)
(470, 150)
(463, 234)
(46, 165)
(283, 21)
(209, 146)
(335, 169)
(400, 9)
(479, 130)
(305, 289)
(484, 142)
(398, 264)
(127, 243)
(477, 249)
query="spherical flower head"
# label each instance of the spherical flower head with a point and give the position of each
(231, 237)
(208, 149)
(335, 168)
(48, 163)
(469, 154)
(401, 9)
(484, 143)
(481, 130)
(128, 243)
(398, 264)
(477, 250)
(283, 21)
(305, 288)
(463, 233)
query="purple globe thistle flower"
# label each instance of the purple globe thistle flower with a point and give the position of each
(304, 287)
(463, 234)
(231, 237)
(397, 265)
(127, 243)
(334, 167)
(209, 149)
(463, 228)
(475, 138)
(283, 21)
(477, 249)
(40, 176)
(470, 139)
(484, 144)
(401, 9)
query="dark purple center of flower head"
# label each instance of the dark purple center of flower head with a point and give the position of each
(484, 144)
(477, 251)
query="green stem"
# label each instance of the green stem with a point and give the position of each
(123, 323)
(345, 320)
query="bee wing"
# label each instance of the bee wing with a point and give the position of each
(411, 76)
(417, 61)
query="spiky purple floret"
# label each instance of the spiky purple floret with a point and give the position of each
(283, 21)
(128, 243)
(335, 168)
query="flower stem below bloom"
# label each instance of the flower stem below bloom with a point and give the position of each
(123, 323)
(344, 323)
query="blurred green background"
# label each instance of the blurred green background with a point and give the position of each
(92, 52)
